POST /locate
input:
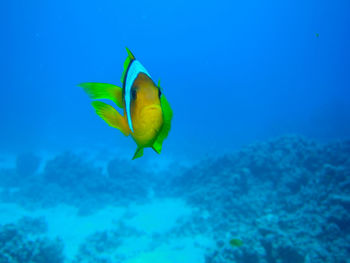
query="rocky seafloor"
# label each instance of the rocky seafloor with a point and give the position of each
(287, 200)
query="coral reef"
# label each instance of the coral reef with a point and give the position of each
(102, 247)
(286, 200)
(25, 242)
(26, 165)
(98, 248)
(70, 179)
(129, 180)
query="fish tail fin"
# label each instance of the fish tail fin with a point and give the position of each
(103, 91)
(111, 116)
(138, 153)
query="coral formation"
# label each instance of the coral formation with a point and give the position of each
(286, 200)
(25, 242)
(71, 179)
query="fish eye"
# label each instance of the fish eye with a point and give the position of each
(133, 94)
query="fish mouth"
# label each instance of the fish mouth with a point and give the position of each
(152, 113)
(152, 117)
(152, 108)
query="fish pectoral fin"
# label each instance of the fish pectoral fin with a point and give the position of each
(103, 91)
(138, 153)
(111, 116)
(164, 131)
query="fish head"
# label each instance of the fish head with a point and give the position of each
(145, 106)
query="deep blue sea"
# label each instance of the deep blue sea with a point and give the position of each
(256, 167)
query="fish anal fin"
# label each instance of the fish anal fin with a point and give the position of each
(138, 153)
(103, 91)
(111, 116)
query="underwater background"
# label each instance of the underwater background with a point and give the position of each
(256, 168)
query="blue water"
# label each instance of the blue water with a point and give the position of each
(236, 73)
(233, 72)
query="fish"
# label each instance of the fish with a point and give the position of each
(235, 242)
(147, 114)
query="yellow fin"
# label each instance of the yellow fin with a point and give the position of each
(103, 91)
(111, 116)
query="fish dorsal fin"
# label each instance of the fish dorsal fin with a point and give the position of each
(127, 62)
(131, 55)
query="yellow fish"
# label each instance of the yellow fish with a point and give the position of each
(147, 113)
